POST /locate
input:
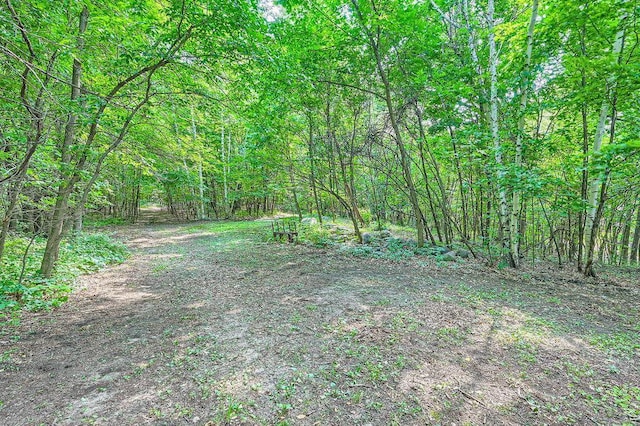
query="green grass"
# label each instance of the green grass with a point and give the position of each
(623, 343)
(230, 227)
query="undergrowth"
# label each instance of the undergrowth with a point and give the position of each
(378, 244)
(22, 287)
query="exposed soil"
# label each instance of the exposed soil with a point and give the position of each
(211, 324)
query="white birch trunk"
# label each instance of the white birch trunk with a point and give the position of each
(224, 164)
(514, 221)
(194, 135)
(596, 183)
(503, 210)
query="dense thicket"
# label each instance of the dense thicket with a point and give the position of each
(507, 125)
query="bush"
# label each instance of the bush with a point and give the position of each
(28, 290)
(316, 235)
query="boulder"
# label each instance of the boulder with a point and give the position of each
(367, 238)
(441, 250)
(449, 256)
(463, 253)
(309, 221)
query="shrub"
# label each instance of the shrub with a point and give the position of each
(21, 286)
(317, 235)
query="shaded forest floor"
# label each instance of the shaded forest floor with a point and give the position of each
(211, 324)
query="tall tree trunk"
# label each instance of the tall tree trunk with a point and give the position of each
(348, 180)
(35, 136)
(597, 189)
(503, 207)
(13, 194)
(514, 221)
(194, 138)
(223, 156)
(374, 44)
(635, 244)
(294, 192)
(584, 186)
(445, 204)
(312, 169)
(65, 189)
(626, 237)
(71, 178)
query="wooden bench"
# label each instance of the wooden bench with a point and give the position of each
(285, 228)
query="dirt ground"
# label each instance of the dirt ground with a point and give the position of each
(210, 324)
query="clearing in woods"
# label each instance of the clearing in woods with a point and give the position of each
(211, 324)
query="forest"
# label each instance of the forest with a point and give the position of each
(511, 126)
(464, 175)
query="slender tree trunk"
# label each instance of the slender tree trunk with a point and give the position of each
(626, 238)
(194, 138)
(35, 136)
(514, 231)
(223, 156)
(635, 244)
(503, 207)
(347, 182)
(70, 179)
(312, 169)
(445, 204)
(584, 186)
(463, 196)
(13, 192)
(597, 189)
(295, 193)
(404, 155)
(56, 229)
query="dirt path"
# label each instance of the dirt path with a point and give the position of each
(208, 324)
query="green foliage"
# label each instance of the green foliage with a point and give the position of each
(317, 235)
(624, 343)
(79, 254)
(102, 222)
(90, 252)
(626, 398)
(256, 111)
(391, 252)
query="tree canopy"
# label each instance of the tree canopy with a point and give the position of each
(510, 126)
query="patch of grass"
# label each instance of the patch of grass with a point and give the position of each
(160, 267)
(377, 371)
(527, 352)
(182, 411)
(7, 356)
(439, 297)
(623, 343)
(235, 410)
(404, 321)
(578, 372)
(285, 389)
(614, 401)
(156, 413)
(540, 326)
(223, 227)
(375, 405)
(626, 398)
(451, 335)
(283, 408)
(491, 294)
